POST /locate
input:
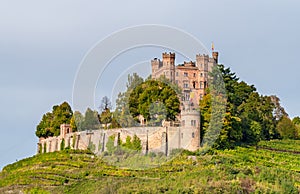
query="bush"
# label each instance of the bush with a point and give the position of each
(62, 144)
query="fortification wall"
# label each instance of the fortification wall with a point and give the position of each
(160, 139)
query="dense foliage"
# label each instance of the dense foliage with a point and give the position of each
(240, 170)
(155, 100)
(249, 116)
(122, 112)
(131, 146)
(51, 121)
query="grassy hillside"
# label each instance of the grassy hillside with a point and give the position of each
(242, 170)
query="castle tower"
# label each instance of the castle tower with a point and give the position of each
(215, 56)
(64, 129)
(190, 127)
(156, 64)
(168, 63)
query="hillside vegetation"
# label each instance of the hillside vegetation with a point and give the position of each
(241, 170)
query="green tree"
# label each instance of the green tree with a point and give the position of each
(136, 143)
(106, 115)
(51, 121)
(296, 121)
(122, 113)
(91, 120)
(128, 143)
(286, 128)
(249, 116)
(44, 128)
(110, 145)
(153, 92)
(62, 144)
(77, 121)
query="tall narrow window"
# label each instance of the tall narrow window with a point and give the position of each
(185, 74)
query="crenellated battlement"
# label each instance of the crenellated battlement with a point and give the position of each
(166, 55)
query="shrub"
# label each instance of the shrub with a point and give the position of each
(62, 144)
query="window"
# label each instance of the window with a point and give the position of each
(185, 74)
(176, 73)
(176, 81)
(185, 85)
(201, 85)
(194, 74)
(186, 96)
(193, 122)
(201, 74)
(201, 96)
(194, 84)
(193, 135)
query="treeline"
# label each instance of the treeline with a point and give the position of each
(90, 120)
(248, 117)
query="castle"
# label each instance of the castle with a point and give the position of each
(191, 77)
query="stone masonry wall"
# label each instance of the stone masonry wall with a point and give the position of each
(178, 137)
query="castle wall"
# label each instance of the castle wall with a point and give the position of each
(177, 137)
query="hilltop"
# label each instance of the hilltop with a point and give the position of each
(272, 166)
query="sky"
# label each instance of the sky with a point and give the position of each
(42, 44)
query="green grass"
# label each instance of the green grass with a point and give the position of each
(242, 170)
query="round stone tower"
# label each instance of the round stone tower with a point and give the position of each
(190, 127)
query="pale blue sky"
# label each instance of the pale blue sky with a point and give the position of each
(42, 44)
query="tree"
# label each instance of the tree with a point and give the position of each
(122, 113)
(110, 145)
(296, 121)
(248, 118)
(279, 111)
(106, 115)
(136, 143)
(128, 143)
(44, 128)
(156, 95)
(286, 128)
(77, 121)
(105, 104)
(51, 121)
(91, 120)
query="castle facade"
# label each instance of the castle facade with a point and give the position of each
(192, 77)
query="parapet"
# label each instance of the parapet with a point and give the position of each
(168, 55)
(189, 64)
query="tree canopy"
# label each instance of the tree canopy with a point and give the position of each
(51, 121)
(155, 101)
(249, 116)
